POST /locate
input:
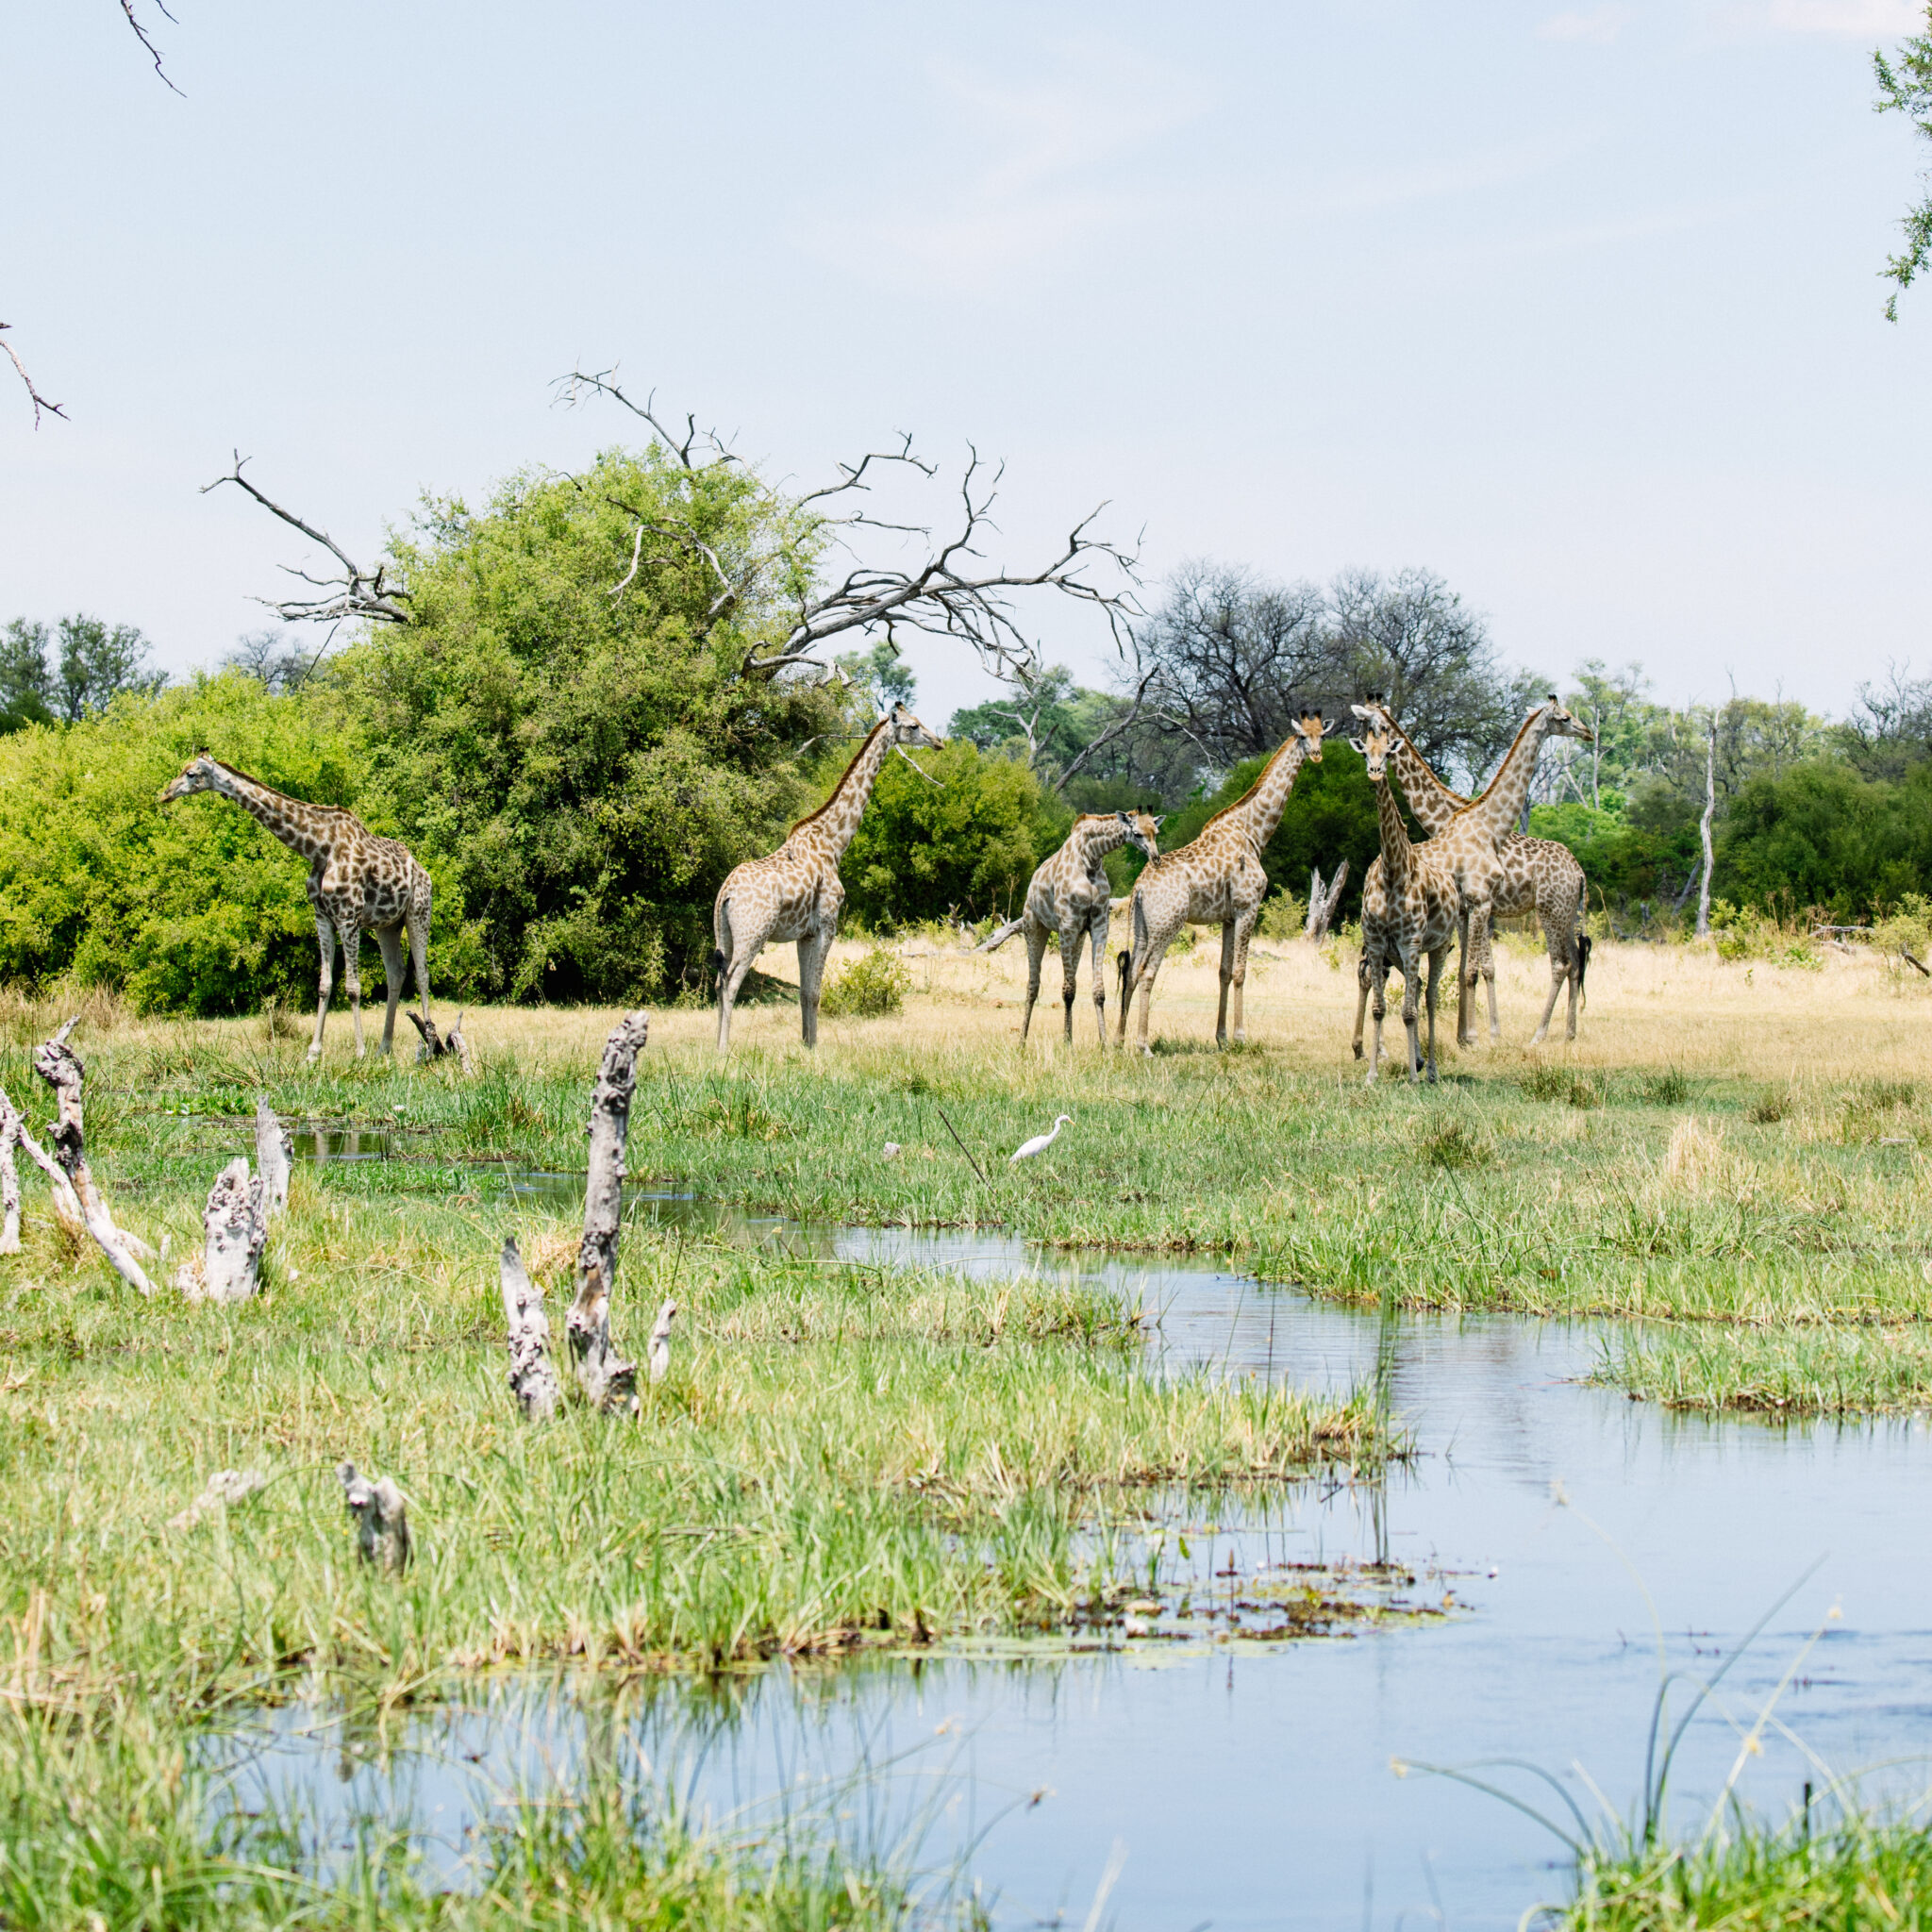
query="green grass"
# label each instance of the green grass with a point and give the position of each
(1862, 1875)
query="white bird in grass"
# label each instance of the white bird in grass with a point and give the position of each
(1040, 1142)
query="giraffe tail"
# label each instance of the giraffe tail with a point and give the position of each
(1582, 960)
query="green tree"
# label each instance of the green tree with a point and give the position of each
(566, 728)
(1904, 87)
(97, 662)
(26, 685)
(967, 837)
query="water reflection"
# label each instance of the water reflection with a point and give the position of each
(1254, 1786)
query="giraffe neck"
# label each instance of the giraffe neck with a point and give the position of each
(1396, 850)
(1432, 802)
(289, 818)
(1501, 806)
(1259, 812)
(1099, 839)
(832, 826)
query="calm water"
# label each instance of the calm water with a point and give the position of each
(1238, 1786)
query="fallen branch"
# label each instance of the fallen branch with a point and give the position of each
(998, 938)
(605, 1377)
(381, 1519)
(532, 1379)
(223, 1488)
(66, 1201)
(1906, 957)
(60, 1066)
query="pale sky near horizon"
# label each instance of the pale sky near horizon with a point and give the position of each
(1577, 306)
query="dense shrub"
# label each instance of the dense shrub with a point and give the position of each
(873, 986)
(191, 906)
(967, 835)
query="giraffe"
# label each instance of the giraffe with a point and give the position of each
(1539, 875)
(1216, 879)
(795, 893)
(1410, 907)
(358, 883)
(1070, 895)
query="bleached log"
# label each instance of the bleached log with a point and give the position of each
(532, 1376)
(66, 1201)
(1323, 900)
(604, 1377)
(999, 937)
(273, 1152)
(60, 1067)
(381, 1519)
(235, 1224)
(436, 1045)
(9, 1180)
(659, 1355)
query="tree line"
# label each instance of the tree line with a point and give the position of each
(578, 719)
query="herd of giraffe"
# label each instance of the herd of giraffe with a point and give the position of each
(1473, 867)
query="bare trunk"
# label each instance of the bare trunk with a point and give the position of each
(60, 1066)
(1709, 806)
(381, 1518)
(270, 1156)
(532, 1379)
(9, 1180)
(604, 1377)
(236, 1225)
(66, 1201)
(659, 1355)
(1323, 901)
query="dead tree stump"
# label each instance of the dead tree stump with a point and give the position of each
(605, 1377)
(1323, 900)
(9, 1180)
(381, 1519)
(272, 1154)
(532, 1379)
(435, 1046)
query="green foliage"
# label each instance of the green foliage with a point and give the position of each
(1906, 89)
(1330, 816)
(26, 685)
(191, 906)
(585, 764)
(1284, 916)
(967, 835)
(873, 986)
(1629, 865)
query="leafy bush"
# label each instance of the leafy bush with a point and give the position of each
(192, 906)
(1284, 916)
(873, 986)
(967, 835)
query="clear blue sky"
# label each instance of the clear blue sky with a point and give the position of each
(1576, 305)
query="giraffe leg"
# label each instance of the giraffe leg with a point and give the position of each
(1380, 978)
(1097, 932)
(1436, 960)
(352, 976)
(1244, 933)
(1361, 1000)
(326, 933)
(813, 950)
(1411, 1000)
(1559, 971)
(1228, 932)
(389, 941)
(1490, 985)
(1144, 986)
(1070, 967)
(731, 969)
(1035, 950)
(418, 953)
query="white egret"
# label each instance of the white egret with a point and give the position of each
(1040, 1142)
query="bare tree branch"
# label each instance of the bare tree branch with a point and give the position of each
(40, 402)
(357, 592)
(1119, 728)
(570, 390)
(141, 35)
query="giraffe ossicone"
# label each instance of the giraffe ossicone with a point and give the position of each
(358, 883)
(795, 893)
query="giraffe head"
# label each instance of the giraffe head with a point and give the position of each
(200, 774)
(906, 730)
(1143, 829)
(1565, 724)
(1308, 728)
(1374, 743)
(1376, 711)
